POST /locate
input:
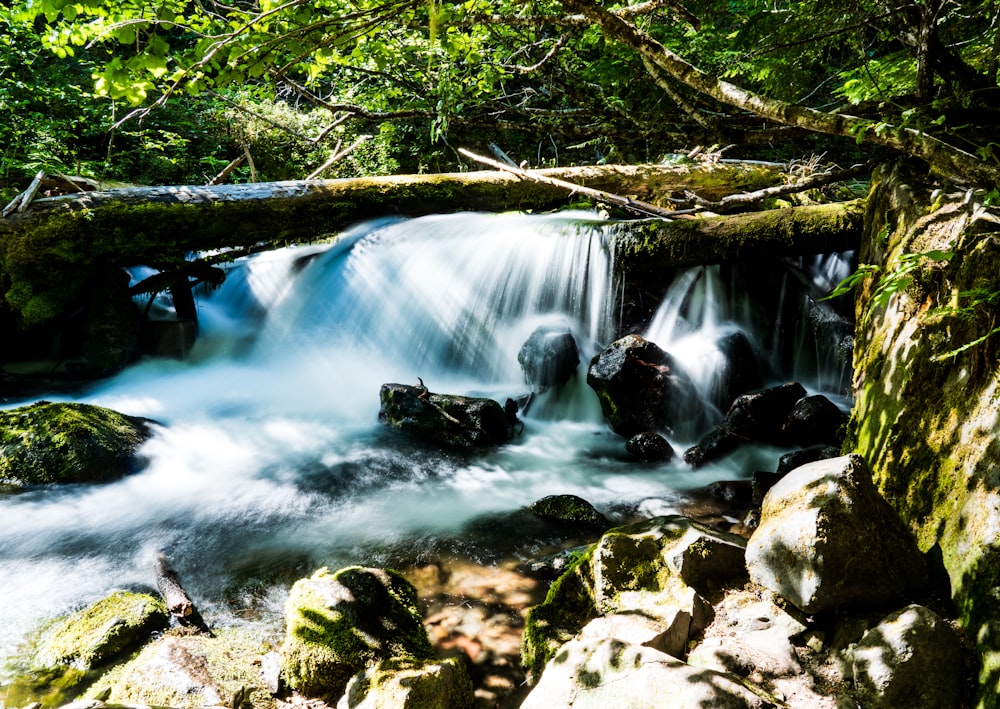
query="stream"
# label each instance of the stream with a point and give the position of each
(268, 459)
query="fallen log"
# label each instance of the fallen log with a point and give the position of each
(180, 605)
(651, 247)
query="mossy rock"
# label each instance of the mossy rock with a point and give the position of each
(338, 624)
(404, 683)
(101, 631)
(569, 510)
(68, 443)
(192, 671)
(65, 652)
(567, 607)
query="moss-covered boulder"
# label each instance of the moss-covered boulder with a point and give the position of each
(222, 669)
(403, 683)
(100, 631)
(66, 442)
(653, 568)
(64, 654)
(569, 510)
(339, 623)
(442, 419)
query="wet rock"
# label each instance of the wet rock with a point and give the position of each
(549, 357)
(168, 338)
(67, 443)
(453, 421)
(813, 421)
(718, 443)
(569, 510)
(740, 372)
(602, 673)
(827, 541)
(758, 416)
(795, 459)
(649, 447)
(338, 624)
(911, 660)
(410, 684)
(641, 388)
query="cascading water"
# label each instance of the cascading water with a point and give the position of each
(270, 460)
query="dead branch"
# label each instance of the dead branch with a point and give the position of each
(226, 171)
(633, 205)
(178, 602)
(337, 156)
(21, 202)
(734, 202)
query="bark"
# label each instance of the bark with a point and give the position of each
(946, 158)
(178, 602)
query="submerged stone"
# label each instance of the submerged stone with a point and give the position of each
(569, 510)
(68, 443)
(453, 421)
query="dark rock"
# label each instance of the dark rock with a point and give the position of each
(649, 447)
(734, 492)
(763, 481)
(911, 659)
(718, 443)
(66, 443)
(795, 459)
(740, 373)
(549, 357)
(815, 420)
(759, 415)
(641, 388)
(570, 510)
(455, 421)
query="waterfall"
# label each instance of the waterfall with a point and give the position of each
(270, 459)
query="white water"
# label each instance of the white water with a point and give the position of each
(269, 460)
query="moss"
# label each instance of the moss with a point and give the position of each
(405, 683)
(64, 442)
(567, 607)
(926, 420)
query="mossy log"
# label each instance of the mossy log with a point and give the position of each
(651, 247)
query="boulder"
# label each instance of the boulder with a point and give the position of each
(101, 631)
(827, 541)
(410, 684)
(338, 624)
(549, 357)
(440, 419)
(638, 629)
(569, 510)
(604, 672)
(814, 420)
(68, 443)
(649, 447)
(757, 416)
(911, 660)
(641, 388)
(223, 669)
(796, 459)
